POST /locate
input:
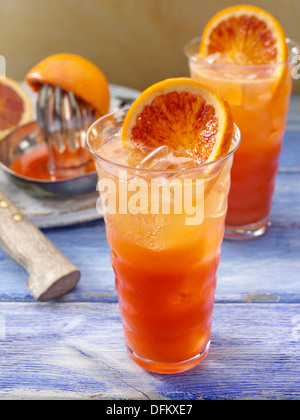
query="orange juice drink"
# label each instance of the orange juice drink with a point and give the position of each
(259, 97)
(165, 218)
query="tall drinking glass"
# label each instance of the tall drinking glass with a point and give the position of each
(259, 97)
(164, 228)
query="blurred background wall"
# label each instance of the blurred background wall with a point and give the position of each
(134, 42)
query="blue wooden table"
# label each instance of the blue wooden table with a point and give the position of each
(73, 348)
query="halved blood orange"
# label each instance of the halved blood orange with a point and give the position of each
(244, 35)
(15, 106)
(76, 74)
(188, 117)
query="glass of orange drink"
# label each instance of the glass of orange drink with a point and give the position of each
(164, 175)
(244, 54)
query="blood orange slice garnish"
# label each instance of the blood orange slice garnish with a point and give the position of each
(245, 35)
(188, 117)
(15, 106)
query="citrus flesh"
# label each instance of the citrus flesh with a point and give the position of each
(188, 117)
(15, 106)
(76, 74)
(244, 35)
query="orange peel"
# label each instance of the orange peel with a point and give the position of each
(246, 35)
(76, 74)
(15, 106)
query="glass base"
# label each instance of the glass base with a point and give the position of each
(168, 367)
(247, 232)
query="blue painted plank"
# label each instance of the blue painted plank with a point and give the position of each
(286, 201)
(289, 157)
(291, 141)
(293, 117)
(266, 269)
(76, 350)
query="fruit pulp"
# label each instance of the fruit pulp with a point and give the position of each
(259, 99)
(34, 164)
(165, 269)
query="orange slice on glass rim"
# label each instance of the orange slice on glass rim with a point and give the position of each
(244, 35)
(188, 117)
(15, 106)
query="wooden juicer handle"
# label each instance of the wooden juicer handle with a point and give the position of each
(51, 274)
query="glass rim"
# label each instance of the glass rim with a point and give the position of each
(290, 42)
(236, 134)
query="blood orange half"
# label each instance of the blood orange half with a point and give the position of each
(188, 117)
(76, 74)
(15, 106)
(244, 35)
